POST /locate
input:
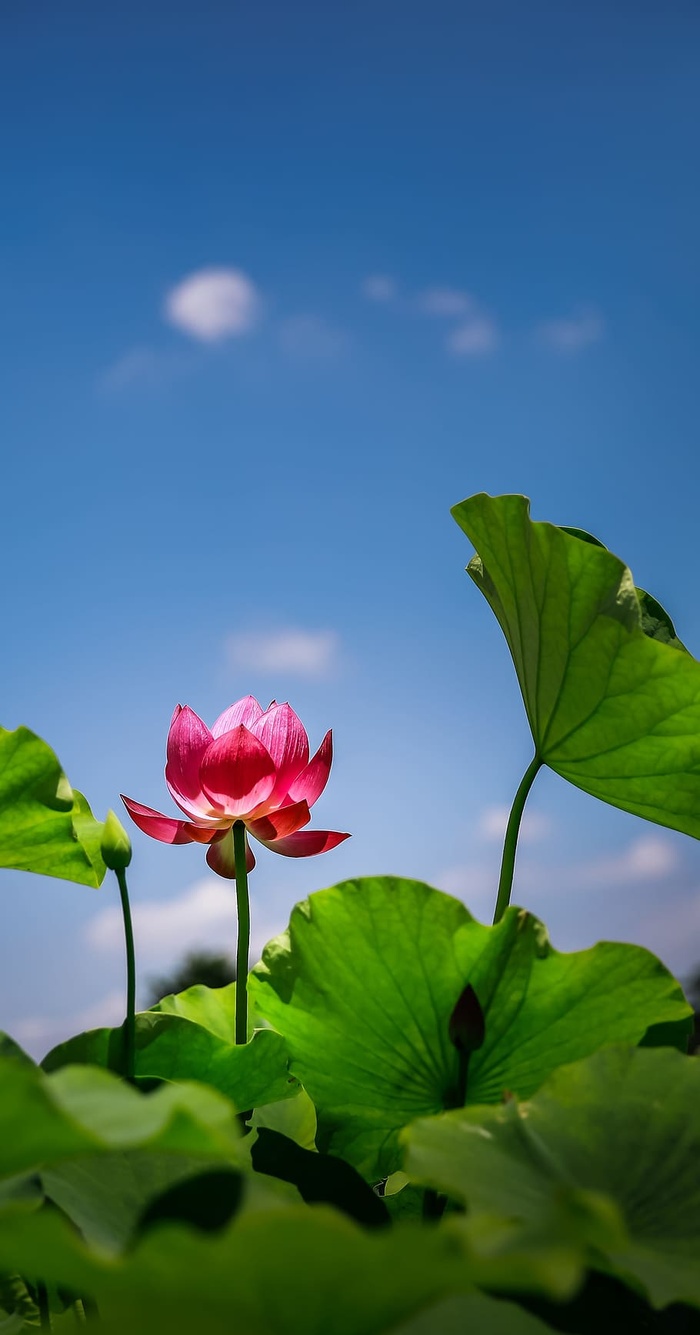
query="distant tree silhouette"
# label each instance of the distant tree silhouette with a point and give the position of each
(198, 966)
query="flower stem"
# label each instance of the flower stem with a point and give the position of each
(243, 943)
(43, 1305)
(510, 842)
(130, 1021)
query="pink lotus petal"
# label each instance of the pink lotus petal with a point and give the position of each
(283, 734)
(202, 811)
(165, 828)
(306, 843)
(245, 711)
(284, 821)
(221, 860)
(201, 834)
(237, 772)
(310, 783)
(188, 739)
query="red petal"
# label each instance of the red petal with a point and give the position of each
(221, 860)
(313, 779)
(283, 734)
(306, 843)
(188, 739)
(284, 821)
(245, 711)
(237, 772)
(201, 811)
(166, 829)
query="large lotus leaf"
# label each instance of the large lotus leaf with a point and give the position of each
(9, 1048)
(213, 1008)
(45, 826)
(107, 1194)
(473, 1314)
(171, 1047)
(612, 1142)
(612, 708)
(46, 1119)
(297, 1271)
(364, 982)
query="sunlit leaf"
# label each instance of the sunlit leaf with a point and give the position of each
(47, 1119)
(171, 1047)
(45, 826)
(296, 1271)
(369, 1037)
(212, 1008)
(609, 1149)
(612, 698)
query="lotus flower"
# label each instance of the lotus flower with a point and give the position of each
(252, 766)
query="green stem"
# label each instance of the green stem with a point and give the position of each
(243, 943)
(43, 1305)
(510, 842)
(130, 1021)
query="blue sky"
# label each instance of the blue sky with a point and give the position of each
(281, 283)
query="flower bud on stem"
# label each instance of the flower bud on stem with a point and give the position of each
(116, 852)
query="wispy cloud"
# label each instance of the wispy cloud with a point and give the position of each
(310, 338)
(649, 858)
(213, 304)
(476, 332)
(444, 301)
(646, 862)
(474, 337)
(201, 916)
(144, 366)
(493, 820)
(380, 287)
(304, 653)
(572, 333)
(39, 1033)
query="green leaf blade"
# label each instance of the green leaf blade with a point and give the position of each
(45, 826)
(608, 1149)
(613, 706)
(171, 1047)
(373, 1050)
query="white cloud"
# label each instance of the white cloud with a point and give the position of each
(572, 333)
(646, 861)
(305, 653)
(379, 287)
(650, 858)
(213, 304)
(474, 337)
(493, 820)
(310, 337)
(202, 916)
(39, 1033)
(447, 301)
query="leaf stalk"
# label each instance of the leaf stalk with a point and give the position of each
(510, 843)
